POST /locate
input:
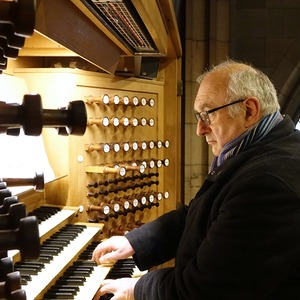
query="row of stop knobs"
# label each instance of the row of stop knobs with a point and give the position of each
(116, 181)
(126, 146)
(117, 100)
(129, 204)
(115, 190)
(122, 229)
(124, 121)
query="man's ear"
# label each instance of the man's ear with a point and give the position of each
(252, 107)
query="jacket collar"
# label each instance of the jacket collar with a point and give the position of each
(284, 128)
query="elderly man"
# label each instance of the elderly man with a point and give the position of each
(239, 238)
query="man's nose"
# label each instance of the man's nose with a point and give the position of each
(201, 128)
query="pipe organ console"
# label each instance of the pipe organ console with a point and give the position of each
(115, 149)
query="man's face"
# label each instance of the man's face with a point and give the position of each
(222, 128)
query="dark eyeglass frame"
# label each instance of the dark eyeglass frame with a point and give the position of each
(204, 115)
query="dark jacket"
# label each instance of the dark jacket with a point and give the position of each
(239, 238)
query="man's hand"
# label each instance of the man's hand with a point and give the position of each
(123, 288)
(113, 249)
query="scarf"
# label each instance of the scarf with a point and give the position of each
(249, 137)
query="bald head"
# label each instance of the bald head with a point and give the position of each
(242, 81)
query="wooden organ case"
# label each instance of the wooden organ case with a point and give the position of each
(125, 170)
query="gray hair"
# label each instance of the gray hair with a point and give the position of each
(245, 81)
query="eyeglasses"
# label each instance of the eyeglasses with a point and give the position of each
(204, 115)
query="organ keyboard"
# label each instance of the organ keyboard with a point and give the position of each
(80, 280)
(65, 245)
(66, 250)
(89, 276)
(38, 283)
(93, 281)
(61, 243)
(59, 217)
